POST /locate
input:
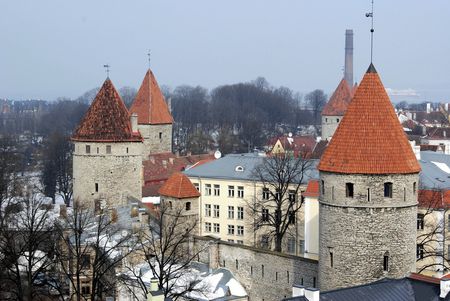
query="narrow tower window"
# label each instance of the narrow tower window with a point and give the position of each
(331, 259)
(414, 187)
(386, 263)
(323, 186)
(388, 190)
(368, 194)
(188, 206)
(160, 135)
(88, 149)
(108, 149)
(349, 190)
(96, 187)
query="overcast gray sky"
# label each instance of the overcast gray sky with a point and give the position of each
(58, 48)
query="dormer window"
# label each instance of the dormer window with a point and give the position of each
(239, 168)
(388, 190)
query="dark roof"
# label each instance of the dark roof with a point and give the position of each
(107, 119)
(405, 289)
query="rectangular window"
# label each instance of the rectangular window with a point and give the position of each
(420, 218)
(302, 246)
(240, 212)
(331, 259)
(265, 215)
(197, 186)
(386, 263)
(419, 251)
(207, 227)
(291, 217)
(414, 187)
(322, 186)
(388, 190)
(230, 229)
(349, 190)
(160, 135)
(292, 196)
(240, 230)
(216, 228)
(207, 189)
(108, 149)
(368, 194)
(278, 195)
(216, 211)
(207, 209)
(85, 290)
(291, 245)
(216, 190)
(240, 191)
(265, 241)
(231, 212)
(265, 193)
(88, 149)
(85, 262)
(231, 191)
(96, 187)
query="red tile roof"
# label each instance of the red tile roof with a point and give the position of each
(424, 278)
(338, 103)
(299, 145)
(312, 190)
(159, 167)
(369, 139)
(149, 103)
(107, 119)
(434, 199)
(179, 186)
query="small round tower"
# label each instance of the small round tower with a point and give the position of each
(107, 157)
(368, 194)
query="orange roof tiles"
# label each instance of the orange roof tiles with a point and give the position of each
(149, 103)
(179, 186)
(312, 190)
(107, 119)
(369, 139)
(338, 103)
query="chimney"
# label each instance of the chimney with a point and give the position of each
(134, 122)
(348, 67)
(312, 294)
(446, 106)
(155, 294)
(445, 286)
(428, 108)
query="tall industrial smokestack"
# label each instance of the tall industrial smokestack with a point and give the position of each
(348, 71)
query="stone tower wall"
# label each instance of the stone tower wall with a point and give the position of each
(153, 144)
(360, 231)
(329, 126)
(118, 174)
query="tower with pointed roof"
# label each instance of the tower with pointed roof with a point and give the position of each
(107, 157)
(335, 109)
(368, 194)
(154, 117)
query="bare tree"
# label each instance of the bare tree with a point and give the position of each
(165, 248)
(316, 100)
(275, 210)
(91, 248)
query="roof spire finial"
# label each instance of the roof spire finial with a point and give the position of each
(370, 15)
(106, 66)
(149, 58)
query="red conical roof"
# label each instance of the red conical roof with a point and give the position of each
(149, 103)
(369, 139)
(338, 103)
(107, 119)
(179, 186)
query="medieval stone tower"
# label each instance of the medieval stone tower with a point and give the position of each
(335, 109)
(154, 118)
(368, 194)
(107, 159)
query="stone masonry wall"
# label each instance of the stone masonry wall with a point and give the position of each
(153, 144)
(266, 275)
(329, 125)
(356, 233)
(118, 174)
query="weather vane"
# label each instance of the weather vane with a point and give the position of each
(106, 69)
(148, 54)
(370, 15)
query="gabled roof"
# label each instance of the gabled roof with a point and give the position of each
(299, 145)
(312, 190)
(338, 103)
(369, 139)
(107, 119)
(149, 103)
(179, 186)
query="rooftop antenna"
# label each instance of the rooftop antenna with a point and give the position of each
(107, 70)
(148, 54)
(370, 15)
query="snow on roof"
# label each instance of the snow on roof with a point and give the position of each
(151, 200)
(442, 166)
